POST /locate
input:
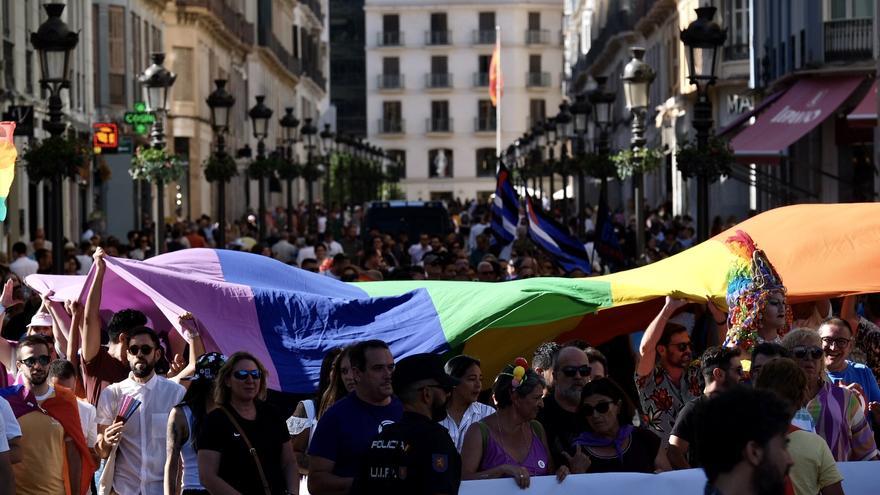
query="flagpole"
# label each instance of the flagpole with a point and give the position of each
(499, 93)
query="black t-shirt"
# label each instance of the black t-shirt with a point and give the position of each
(268, 433)
(686, 426)
(414, 455)
(562, 428)
(638, 456)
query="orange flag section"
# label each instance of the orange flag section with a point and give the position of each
(819, 250)
(496, 82)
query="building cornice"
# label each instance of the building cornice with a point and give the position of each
(211, 25)
(271, 61)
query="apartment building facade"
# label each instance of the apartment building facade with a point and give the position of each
(427, 86)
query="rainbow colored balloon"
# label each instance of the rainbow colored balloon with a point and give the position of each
(8, 154)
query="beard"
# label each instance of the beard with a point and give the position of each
(767, 480)
(571, 394)
(142, 371)
(438, 411)
(38, 378)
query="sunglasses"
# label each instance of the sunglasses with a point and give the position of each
(243, 374)
(600, 408)
(803, 352)
(838, 342)
(570, 371)
(137, 350)
(681, 347)
(31, 361)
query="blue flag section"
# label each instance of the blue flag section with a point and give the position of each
(606, 239)
(505, 208)
(568, 252)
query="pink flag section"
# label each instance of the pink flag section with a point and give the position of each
(803, 107)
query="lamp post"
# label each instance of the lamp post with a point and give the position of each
(637, 78)
(289, 125)
(260, 115)
(564, 134)
(157, 82)
(328, 141)
(602, 102)
(54, 42)
(220, 101)
(702, 39)
(308, 132)
(580, 112)
(538, 145)
(550, 161)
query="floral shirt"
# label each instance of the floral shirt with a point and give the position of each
(867, 346)
(662, 399)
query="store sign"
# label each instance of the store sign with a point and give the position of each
(105, 136)
(737, 104)
(140, 119)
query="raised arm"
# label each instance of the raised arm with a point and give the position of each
(60, 329)
(647, 347)
(75, 309)
(91, 334)
(191, 329)
(848, 312)
(7, 352)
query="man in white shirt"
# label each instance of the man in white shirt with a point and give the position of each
(283, 250)
(22, 265)
(419, 250)
(333, 247)
(477, 230)
(135, 447)
(12, 431)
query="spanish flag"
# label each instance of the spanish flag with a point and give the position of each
(496, 81)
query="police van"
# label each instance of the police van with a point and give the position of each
(413, 217)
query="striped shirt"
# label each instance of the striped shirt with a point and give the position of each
(841, 421)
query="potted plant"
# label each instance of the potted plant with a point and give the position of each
(712, 162)
(52, 156)
(156, 165)
(599, 166)
(640, 160)
(220, 168)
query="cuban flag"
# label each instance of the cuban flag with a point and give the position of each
(567, 252)
(505, 208)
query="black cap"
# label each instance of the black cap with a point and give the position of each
(420, 367)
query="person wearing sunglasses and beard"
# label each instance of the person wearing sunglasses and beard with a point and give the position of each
(134, 445)
(611, 443)
(837, 412)
(571, 371)
(244, 445)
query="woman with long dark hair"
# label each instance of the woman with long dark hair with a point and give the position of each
(184, 425)
(244, 446)
(463, 408)
(301, 425)
(341, 382)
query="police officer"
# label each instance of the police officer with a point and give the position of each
(416, 454)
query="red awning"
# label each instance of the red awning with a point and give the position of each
(803, 107)
(865, 114)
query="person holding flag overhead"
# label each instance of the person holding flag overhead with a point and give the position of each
(133, 420)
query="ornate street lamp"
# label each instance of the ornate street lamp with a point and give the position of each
(564, 133)
(157, 81)
(308, 132)
(54, 42)
(580, 116)
(220, 101)
(260, 115)
(702, 39)
(602, 102)
(328, 141)
(289, 127)
(637, 78)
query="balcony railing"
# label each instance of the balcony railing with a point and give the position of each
(484, 36)
(736, 52)
(537, 37)
(482, 124)
(438, 125)
(538, 79)
(391, 126)
(849, 39)
(231, 19)
(481, 79)
(317, 77)
(438, 38)
(438, 80)
(389, 81)
(291, 63)
(389, 38)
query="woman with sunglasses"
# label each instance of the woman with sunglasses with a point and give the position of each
(611, 442)
(837, 413)
(244, 446)
(510, 443)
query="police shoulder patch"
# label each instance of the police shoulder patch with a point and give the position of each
(440, 462)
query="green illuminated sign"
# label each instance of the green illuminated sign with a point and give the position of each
(140, 119)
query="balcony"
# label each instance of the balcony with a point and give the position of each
(232, 20)
(438, 38)
(736, 52)
(481, 79)
(484, 36)
(315, 7)
(438, 125)
(389, 81)
(537, 37)
(537, 79)
(268, 40)
(849, 39)
(482, 124)
(391, 126)
(438, 80)
(389, 38)
(316, 76)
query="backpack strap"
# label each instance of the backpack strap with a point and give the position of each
(251, 449)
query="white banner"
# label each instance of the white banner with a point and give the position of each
(859, 478)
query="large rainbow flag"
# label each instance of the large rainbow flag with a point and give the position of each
(289, 317)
